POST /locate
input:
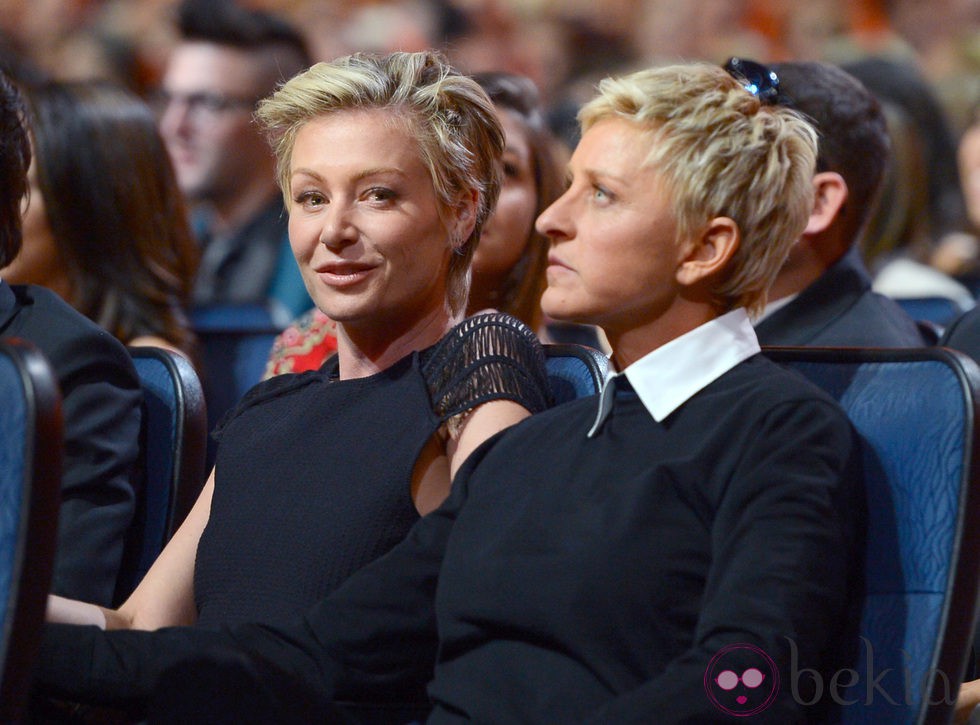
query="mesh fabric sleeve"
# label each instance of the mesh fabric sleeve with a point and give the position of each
(486, 357)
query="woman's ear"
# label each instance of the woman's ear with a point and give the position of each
(829, 195)
(464, 218)
(711, 252)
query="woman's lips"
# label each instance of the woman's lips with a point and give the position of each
(343, 275)
(555, 265)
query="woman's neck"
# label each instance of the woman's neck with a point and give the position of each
(637, 338)
(364, 350)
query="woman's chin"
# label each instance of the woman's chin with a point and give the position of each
(338, 312)
(559, 308)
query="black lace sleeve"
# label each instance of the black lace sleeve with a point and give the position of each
(486, 357)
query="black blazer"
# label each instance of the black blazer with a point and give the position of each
(840, 309)
(963, 334)
(102, 406)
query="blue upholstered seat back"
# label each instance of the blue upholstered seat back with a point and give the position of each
(173, 440)
(160, 432)
(14, 425)
(31, 452)
(915, 418)
(574, 371)
(941, 310)
(235, 343)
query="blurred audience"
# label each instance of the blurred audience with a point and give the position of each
(101, 394)
(968, 157)
(960, 254)
(558, 45)
(822, 295)
(105, 225)
(229, 58)
(907, 264)
(921, 209)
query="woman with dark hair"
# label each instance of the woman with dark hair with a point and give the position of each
(105, 225)
(15, 159)
(913, 239)
(100, 391)
(509, 264)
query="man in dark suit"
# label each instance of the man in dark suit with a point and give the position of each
(101, 394)
(823, 294)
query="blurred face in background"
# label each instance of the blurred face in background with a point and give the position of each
(205, 108)
(969, 164)
(506, 232)
(39, 260)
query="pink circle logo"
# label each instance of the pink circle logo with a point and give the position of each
(741, 680)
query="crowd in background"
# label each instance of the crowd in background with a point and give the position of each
(922, 59)
(558, 43)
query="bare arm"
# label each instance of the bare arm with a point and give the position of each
(165, 596)
(445, 453)
(485, 375)
(482, 423)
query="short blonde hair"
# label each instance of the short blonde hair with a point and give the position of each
(721, 152)
(459, 137)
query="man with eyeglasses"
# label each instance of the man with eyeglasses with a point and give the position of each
(823, 295)
(227, 59)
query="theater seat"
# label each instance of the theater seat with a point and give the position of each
(574, 371)
(172, 456)
(235, 342)
(940, 310)
(31, 448)
(915, 411)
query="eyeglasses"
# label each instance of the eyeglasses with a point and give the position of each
(756, 78)
(203, 105)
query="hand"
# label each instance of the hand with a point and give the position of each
(69, 611)
(966, 701)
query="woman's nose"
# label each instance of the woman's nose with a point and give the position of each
(338, 229)
(554, 222)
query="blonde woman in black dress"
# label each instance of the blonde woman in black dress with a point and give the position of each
(389, 168)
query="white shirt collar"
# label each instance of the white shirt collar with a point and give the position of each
(669, 376)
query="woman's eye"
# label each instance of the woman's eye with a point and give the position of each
(309, 198)
(380, 193)
(511, 170)
(600, 194)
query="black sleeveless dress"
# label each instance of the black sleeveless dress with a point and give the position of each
(313, 474)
